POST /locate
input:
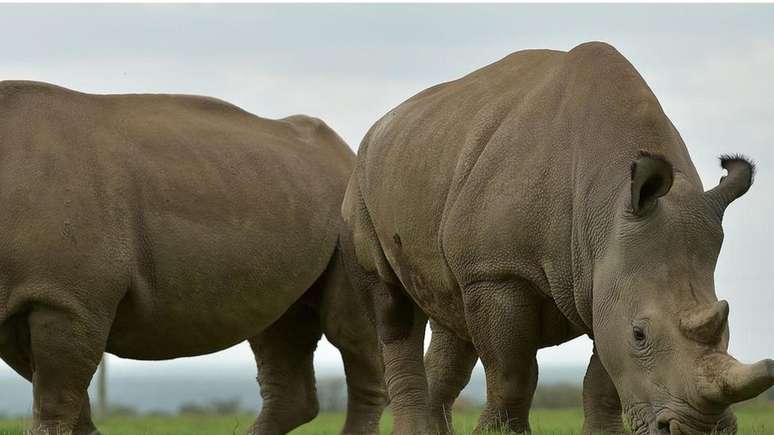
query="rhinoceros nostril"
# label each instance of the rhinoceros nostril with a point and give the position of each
(667, 425)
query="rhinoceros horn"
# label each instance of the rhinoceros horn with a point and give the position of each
(738, 381)
(706, 324)
(733, 185)
(724, 380)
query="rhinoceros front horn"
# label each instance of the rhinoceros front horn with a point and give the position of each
(706, 324)
(738, 381)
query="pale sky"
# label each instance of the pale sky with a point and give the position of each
(710, 66)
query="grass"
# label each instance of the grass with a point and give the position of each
(753, 420)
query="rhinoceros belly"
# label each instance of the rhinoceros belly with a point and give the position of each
(195, 293)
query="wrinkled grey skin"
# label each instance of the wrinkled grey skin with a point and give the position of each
(164, 226)
(284, 355)
(539, 198)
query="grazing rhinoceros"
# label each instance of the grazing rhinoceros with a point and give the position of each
(163, 226)
(539, 198)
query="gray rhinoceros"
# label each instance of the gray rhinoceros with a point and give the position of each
(539, 198)
(164, 226)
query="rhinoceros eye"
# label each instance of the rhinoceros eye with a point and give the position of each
(639, 334)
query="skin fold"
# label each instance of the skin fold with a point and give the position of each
(536, 199)
(164, 226)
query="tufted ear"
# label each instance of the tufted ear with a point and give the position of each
(652, 177)
(741, 172)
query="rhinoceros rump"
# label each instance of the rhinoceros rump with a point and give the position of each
(163, 226)
(539, 198)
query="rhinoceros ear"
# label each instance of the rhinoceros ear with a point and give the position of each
(652, 177)
(741, 172)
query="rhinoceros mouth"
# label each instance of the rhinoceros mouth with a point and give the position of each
(679, 420)
(670, 424)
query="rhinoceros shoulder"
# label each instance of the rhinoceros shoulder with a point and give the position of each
(307, 126)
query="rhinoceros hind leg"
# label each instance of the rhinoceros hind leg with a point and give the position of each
(400, 326)
(366, 394)
(401, 329)
(15, 350)
(347, 326)
(448, 361)
(85, 425)
(504, 322)
(284, 354)
(66, 351)
(601, 405)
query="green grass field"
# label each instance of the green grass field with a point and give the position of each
(753, 420)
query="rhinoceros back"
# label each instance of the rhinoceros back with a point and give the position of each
(194, 219)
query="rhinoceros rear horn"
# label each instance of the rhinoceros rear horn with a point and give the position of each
(652, 177)
(733, 185)
(706, 324)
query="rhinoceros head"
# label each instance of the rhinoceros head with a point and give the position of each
(659, 329)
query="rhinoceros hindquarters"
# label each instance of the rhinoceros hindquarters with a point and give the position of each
(399, 323)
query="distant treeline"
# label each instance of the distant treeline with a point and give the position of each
(331, 393)
(571, 396)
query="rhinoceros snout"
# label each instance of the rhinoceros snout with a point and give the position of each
(669, 426)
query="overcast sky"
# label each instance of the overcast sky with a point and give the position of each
(710, 65)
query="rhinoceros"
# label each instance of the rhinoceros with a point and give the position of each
(162, 226)
(539, 198)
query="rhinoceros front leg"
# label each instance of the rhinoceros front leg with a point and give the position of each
(601, 405)
(448, 361)
(65, 352)
(504, 322)
(284, 354)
